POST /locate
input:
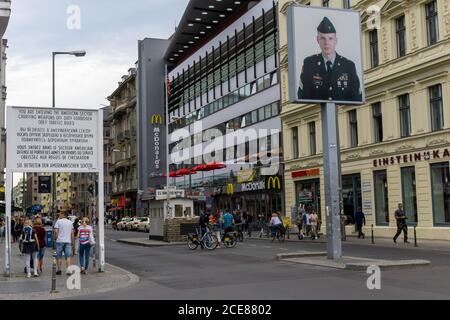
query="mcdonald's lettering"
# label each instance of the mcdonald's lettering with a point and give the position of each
(273, 183)
(156, 118)
(230, 189)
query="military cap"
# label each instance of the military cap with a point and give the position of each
(326, 26)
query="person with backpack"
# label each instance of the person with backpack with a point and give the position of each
(30, 247)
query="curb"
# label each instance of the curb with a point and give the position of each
(289, 240)
(282, 256)
(163, 244)
(46, 295)
(351, 266)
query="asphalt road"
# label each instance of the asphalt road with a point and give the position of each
(250, 271)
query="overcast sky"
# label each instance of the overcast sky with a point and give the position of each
(109, 31)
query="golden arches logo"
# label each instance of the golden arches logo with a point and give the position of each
(273, 183)
(156, 118)
(230, 189)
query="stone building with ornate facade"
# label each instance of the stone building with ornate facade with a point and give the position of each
(396, 147)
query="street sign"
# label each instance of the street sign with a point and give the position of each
(44, 184)
(162, 194)
(53, 140)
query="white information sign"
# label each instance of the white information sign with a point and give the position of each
(53, 140)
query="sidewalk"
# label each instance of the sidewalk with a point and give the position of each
(429, 245)
(18, 287)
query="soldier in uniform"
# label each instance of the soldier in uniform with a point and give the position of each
(327, 75)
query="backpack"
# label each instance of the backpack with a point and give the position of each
(28, 235)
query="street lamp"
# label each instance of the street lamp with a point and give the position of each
(78, 53)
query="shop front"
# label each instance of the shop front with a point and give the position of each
(420, 180)
(258, 198)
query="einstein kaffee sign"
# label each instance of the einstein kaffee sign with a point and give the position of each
(53, 140)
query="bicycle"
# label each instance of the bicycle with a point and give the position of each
(229, 239)
(208, 240)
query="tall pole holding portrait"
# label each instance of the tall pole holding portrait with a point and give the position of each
(327, 78)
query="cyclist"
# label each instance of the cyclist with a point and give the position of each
(203, 221)
(277, 225)
(228, 222)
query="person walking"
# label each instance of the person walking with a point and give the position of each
(86, 239)
(360, 220)
(76, 246)
(18, 228)
(40, 233)
(30, 247)
(215, 221)
(313, 219)
(401, 224)
(13, 231)
(64, 239)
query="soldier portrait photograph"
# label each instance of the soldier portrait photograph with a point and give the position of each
(327, 69)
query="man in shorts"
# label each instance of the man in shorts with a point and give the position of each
(64, 240)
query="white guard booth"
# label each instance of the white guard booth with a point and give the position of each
(54, 140)
(180, 206)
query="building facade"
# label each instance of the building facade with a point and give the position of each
(33, 198)
(19, 192)
(396, 147)
(224, 105)
(5, 12)
(123, 147)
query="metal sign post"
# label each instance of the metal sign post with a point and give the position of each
(332, 178)
(8, 190)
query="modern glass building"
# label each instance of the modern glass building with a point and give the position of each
(224, 106)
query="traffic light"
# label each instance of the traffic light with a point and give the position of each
(92, 191)
(44, 184)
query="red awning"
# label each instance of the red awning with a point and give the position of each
(215, 165)
(183, 172)
(200, 167)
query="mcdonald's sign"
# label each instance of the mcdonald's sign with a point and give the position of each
(274, 183)
(230, 189)
(156, 118)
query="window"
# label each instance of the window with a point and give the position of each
(409, 193)
(401, 36)
(346, 4)
(295, 153)
(405, 116)
(432, 22)
(312, 138)
(377, 122)
(353, 123)
(437, 112)
(381, 197)
(326, 3)
(373, 42)
(440, 180)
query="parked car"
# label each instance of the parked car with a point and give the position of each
(48, 221)
(132, 224)
(122, 223)
(144, 224)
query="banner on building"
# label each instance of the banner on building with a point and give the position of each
(325, 55)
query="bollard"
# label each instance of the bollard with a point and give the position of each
(373, 240)
(54, 275)
(415, 236)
